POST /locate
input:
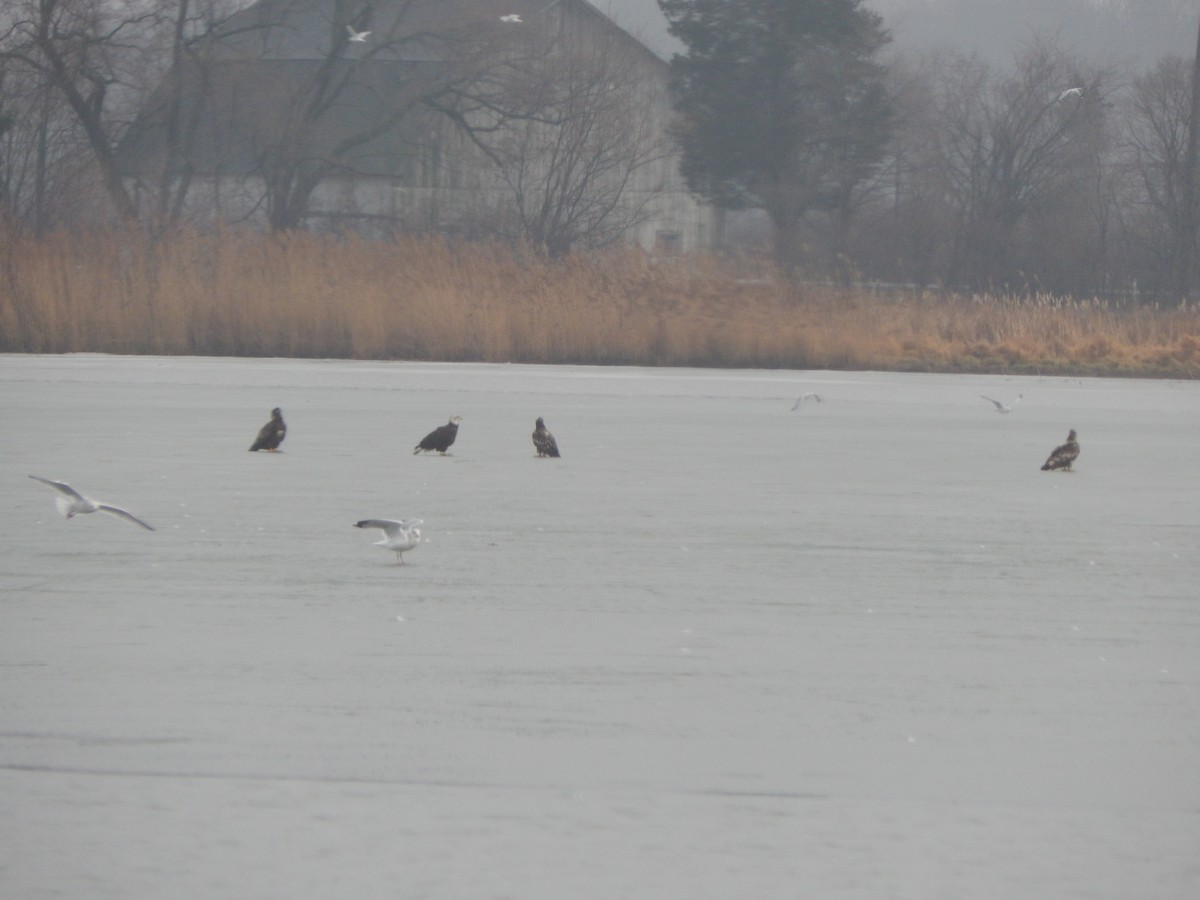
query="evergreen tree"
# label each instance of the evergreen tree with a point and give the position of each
(782, 105)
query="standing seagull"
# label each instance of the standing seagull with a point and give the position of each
(1001, 407)
(804, 398)
(271, 435)
(543, 440)
(398, 536)
(440, 438)
(359, 37)
(71, 503)
(1063, 455)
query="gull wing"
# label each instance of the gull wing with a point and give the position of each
(390, 527)
(123, 514)
(60, 486)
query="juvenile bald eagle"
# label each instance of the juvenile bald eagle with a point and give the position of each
(543, 440)
(440, 438)
(1063, 455)
(271, 435)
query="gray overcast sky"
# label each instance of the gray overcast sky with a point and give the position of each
(644, 19)
(996, 33)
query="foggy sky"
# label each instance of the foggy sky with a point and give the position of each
(966, 26)
(645, 20)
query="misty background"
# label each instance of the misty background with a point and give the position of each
(1133, 32)
(1027, 146)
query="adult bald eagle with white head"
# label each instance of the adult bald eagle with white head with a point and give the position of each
(271, 435)
(440, 438)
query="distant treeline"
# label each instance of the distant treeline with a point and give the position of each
(1050, 174)
(1055, 172)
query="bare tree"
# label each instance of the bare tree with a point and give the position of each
(355, 75)
(1010, 146)
(45, 170)
(81, 49)
(575, 143)
(299, 147)
(157, 154)
(913, 184)
(1185, 263)
(1158, 127)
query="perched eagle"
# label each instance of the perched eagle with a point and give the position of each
(271, 435)
(1063, 455)
(441, 438)
(543, 440)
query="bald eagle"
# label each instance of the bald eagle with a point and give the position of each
(271, 435)
(440, 438)
(543, 440)
(1063, 455)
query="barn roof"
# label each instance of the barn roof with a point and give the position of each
(245, 75)
(412, 30)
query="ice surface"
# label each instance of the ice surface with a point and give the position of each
(719, 649)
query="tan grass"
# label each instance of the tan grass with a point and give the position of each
(235, 293)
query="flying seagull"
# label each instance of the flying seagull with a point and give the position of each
(359, 37)
(271, 435)
(440, 438)
(71, 503)
(398, 536)
(1002, 407)
(511, 19)
(543, 440)
(1069, 92)
(1063, 455)
(804, 398)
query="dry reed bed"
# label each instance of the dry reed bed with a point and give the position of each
(230, 293)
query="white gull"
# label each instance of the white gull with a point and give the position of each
(398, 536)
(800, 401)
(1002, 407)
(72, 503)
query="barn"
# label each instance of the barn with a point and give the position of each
(535, 120)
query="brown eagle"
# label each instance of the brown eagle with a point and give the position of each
(1063, 455)
(271, 435)
(440, 438)
(543, 440)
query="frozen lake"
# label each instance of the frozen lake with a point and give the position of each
(719, 649)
